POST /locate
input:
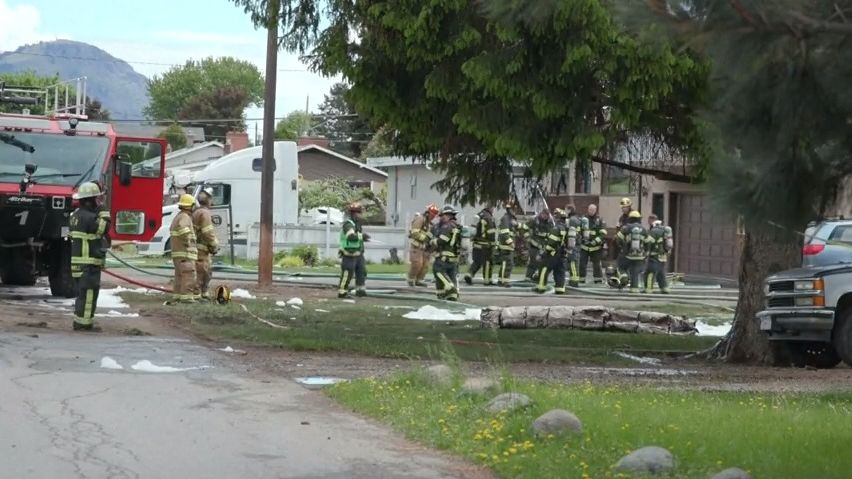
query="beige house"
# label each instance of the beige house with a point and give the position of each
(316, 162)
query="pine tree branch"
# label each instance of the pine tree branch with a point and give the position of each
(659, 174)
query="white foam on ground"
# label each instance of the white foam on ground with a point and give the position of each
(116, 314)
(639, 359)
(109, 363)
(241, 293)
(227, 349)
(431, 313)
(149, 367)
(318, 381)
(295, 307)
(705, 329)
(296, 302)
(321, 311)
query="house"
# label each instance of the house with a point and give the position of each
(410, 190)
(136, 130)
(707, 243)
(195, 157)
(317, 162)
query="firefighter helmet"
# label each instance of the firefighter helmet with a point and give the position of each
(186, 201)
(432, 210)
(449, 210)
(635, 214)
(560, 213)
(87, 190)
(223, 294)
(626, 202)
(355, 208)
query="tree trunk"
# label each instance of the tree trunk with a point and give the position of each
(764, 252)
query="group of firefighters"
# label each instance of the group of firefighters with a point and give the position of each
(193, 242)
(561, 244)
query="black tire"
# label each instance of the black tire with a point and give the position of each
(842, 336)
(812, 354)
(19, 269)
(62, 284)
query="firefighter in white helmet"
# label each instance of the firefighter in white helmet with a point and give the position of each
(89, 226)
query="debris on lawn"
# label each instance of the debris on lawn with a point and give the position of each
(431, 313)
(318, 381)
(705, 329)
(242, 293)
(589, 318)
(321, 311)
(639, 359)
(228, 349)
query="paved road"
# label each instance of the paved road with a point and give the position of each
(64, 416)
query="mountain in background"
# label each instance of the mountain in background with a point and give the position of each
(120, 89)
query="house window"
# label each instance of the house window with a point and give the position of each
(616, 181)
(658, 202)
(582, 178)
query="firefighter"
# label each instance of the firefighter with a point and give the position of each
(553, 255)
(184, 251)
(446, 241)
(626, 207)
(632, 244)
(593, 234)
(208, 244)
(484, 243)
(504, 253)
(351, 252)
(419, 239)
(573, 230)
(534, 233)
(660, 243)
(89, 226)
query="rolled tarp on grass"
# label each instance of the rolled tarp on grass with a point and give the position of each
(587, 318)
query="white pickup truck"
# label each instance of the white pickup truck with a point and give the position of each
(810, 311)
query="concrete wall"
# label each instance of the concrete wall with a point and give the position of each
(382, 239)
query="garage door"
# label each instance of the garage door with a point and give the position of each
(706, 241)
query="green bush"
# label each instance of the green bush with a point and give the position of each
(288, 261)
(329, 262)
(308, 253)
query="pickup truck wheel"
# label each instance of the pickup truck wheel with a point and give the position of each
(842, 336)
(813, 354)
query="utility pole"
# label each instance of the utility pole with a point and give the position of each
(264, 263)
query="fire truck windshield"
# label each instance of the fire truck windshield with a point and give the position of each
(61, 159)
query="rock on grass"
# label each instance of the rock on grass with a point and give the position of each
(557, 421)
(647, 460)
(508, 402)
(440, 374)
(476, 386)
(732, 473)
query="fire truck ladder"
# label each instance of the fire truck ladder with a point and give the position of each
(66, 99)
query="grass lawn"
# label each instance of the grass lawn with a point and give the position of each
(377, 327)
(771, 435)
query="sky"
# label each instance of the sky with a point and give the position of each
(159, 33)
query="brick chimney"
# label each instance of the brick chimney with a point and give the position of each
(313, 140)
(236, 141)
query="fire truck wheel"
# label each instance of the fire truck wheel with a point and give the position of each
(61, 283)
(18, 270)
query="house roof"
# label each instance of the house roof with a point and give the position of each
(190, 149)
(392, 161)
(342, 157)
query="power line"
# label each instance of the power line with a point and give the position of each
(133, 62)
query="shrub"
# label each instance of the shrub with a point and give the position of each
(288, 261)
(308, 253)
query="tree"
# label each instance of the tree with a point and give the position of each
(175, 136)
(334, 192)
(340, 123)
(226, 103)
(472, 90)
(295, 125)
(96, 111)
(193, 88)
(782, 110)
(381, 144)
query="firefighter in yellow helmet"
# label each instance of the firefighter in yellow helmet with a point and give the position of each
(208, 244)
(184, 251)
(626, 207)
(89, 226)
(419, 239)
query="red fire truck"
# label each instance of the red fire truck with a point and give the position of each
(43, 160)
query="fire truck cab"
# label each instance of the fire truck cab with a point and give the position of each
(44, 159)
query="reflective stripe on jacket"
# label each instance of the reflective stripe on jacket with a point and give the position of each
(89, 239)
